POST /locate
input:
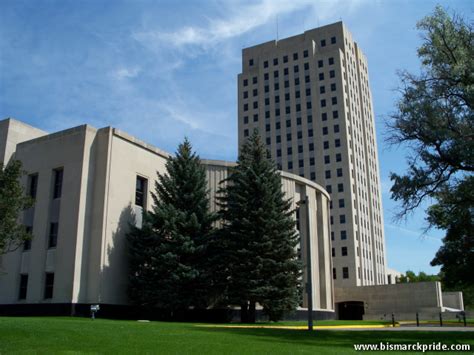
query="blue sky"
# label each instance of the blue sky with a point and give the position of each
(161, 70)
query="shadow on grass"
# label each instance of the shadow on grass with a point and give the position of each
(341, 338)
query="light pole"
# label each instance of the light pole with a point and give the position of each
(309, 283)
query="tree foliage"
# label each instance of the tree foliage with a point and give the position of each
(434, 115)
(259, 237)
(12, 202)
(410, 276)
(168, 254)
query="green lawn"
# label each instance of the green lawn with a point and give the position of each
(80, 335)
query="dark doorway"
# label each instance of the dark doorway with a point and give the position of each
(351, 310)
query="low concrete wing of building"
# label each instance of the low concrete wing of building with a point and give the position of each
(88, 185)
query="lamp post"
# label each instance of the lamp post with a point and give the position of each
(309, 284)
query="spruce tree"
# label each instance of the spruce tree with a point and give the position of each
(168, 254)
(260, 236)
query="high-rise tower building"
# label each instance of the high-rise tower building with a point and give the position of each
(310, 100)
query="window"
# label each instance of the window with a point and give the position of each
(313, 176)
(331, 61)
(335, 114)
(255, 117)
(310, 132)
(311, 161)
(325, 131)
(267, 88)
(269, 141)
(300, 149)
(329, 188)
(289, 151)
(320, 63)
(326, 144)
(298, 107)
(23, 286)
(343, 235)
(305, 53)
(306, 66)
(301, 163)
(333, 252)
(336, 128)
(300, 134)
(309, 105)
(296, 69)
(323, 43)
(290, 165)
(278, 152)
(142, 185)
(342, 218)
(297, 81)
(298, 121)
(267, 114)
(334, 100)
(254, 80)
(285, 71)
(331, 219)
(334, 273)
(277, 99)
(341, 203)
(323, 103)
(53, 235)
(310, 119)
(308, 92)
(285, 59)
(255, 92)
(332, 73)
(338, 157)
(265, 64)
(32, 185)
(27, 242)
(275, 74)
(321, 76)
(295, 56)
(255, 105)
(287, 109)
(246, 82)
(333, 87)
(344, 251)
(250, 62)
(265, 76)
(333, 40)
(277, 125)
(48, 285)
(288, 136)
(246, 107)
(288, 123)
(324, 116)
(246, 132)
(277, 112)
(339, 172)
(327, 160)
(340, 187)
(267, 127)
(337, 143)
(58, 183)
(322, 89)
(297, 94)
(328, 174)
(278, 139)
(311, 147)
(246, 119)
(345, 272)
(306, 79)
(246, 94)
(275, 61)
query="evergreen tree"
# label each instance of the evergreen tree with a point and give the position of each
(168, 254)
(259, 236)
(12, 203)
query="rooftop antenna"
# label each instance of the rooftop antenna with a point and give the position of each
(277, 28)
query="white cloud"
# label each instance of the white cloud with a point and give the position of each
(241, 19)
(126, 73)
(418, 234)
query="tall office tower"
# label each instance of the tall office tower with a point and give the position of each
(309, 98)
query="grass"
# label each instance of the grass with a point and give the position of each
(80, 335)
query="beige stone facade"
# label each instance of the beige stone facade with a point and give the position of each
(90, 183)
(309, 98)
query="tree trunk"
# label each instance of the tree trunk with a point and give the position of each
(251, 312)
(244, 312)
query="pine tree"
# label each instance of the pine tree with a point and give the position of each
(168, 254)
(260, 236)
